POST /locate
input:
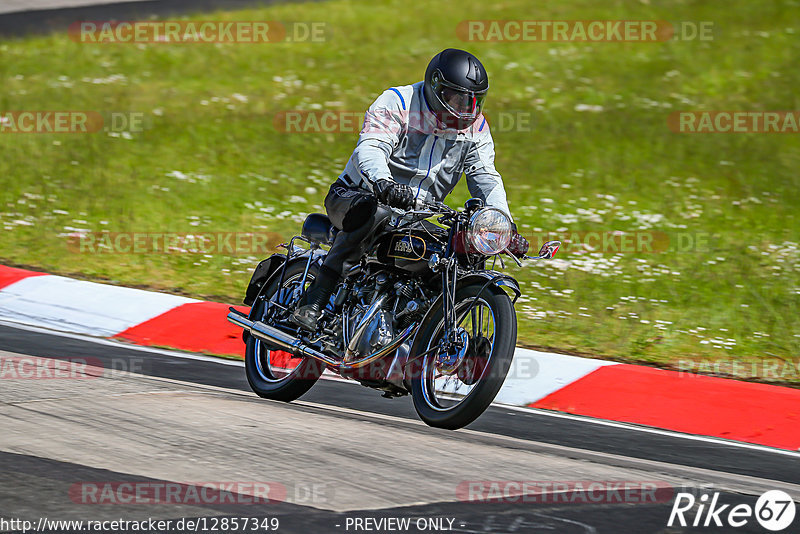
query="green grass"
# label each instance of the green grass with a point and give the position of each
(209, 111)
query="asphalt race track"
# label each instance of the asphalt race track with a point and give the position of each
(340, 454)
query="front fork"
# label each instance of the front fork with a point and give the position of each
(449, 279)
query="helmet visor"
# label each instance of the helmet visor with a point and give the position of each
(463, 104)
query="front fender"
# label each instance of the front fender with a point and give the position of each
(497, 279)
(487, 278)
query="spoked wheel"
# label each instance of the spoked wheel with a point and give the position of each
(462, 373)
(275, 374)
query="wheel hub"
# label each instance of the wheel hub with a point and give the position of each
(452, 353)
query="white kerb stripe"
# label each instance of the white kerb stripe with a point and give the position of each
(82, 307)
(535, 375)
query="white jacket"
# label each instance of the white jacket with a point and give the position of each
(401, 140)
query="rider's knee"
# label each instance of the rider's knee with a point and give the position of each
(360, 212)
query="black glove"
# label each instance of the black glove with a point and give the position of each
(393, 194)
(519, 245)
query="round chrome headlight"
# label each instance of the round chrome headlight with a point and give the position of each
(489, 231)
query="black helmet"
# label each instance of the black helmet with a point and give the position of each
(455, 85)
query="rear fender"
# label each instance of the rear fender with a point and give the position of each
(261, 274)
(271, 268)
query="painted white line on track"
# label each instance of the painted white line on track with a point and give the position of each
(334, 377)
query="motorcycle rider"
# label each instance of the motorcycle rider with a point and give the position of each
(415, 143)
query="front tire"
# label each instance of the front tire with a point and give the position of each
(483, 368)
(274, 374)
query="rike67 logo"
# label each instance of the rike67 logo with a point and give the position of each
(774, 510)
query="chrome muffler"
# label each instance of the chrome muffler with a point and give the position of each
(288, 343)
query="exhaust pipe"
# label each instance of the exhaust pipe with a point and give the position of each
(276, 337)
(290, 344)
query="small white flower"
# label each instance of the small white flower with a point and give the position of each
(588, 107)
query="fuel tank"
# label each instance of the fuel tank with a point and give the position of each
(410, 250)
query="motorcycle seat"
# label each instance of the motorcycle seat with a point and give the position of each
(318, 228)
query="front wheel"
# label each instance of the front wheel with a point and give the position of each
(459, 378)
(275, 374)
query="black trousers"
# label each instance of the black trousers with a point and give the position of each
(359, 217)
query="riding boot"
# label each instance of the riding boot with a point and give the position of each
(315, 299)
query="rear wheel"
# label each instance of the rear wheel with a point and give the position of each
(453, 384)
(275, 374)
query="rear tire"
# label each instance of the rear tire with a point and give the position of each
(270, 381)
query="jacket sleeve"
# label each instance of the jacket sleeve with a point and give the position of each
(483, 180)
(385, 123)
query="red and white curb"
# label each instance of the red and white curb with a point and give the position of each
(141, 317)
(681, 402)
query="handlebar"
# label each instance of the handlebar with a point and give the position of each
(436, 207)
(425, 207)
(547, 251)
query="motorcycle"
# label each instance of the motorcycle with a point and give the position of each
(420, 313)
